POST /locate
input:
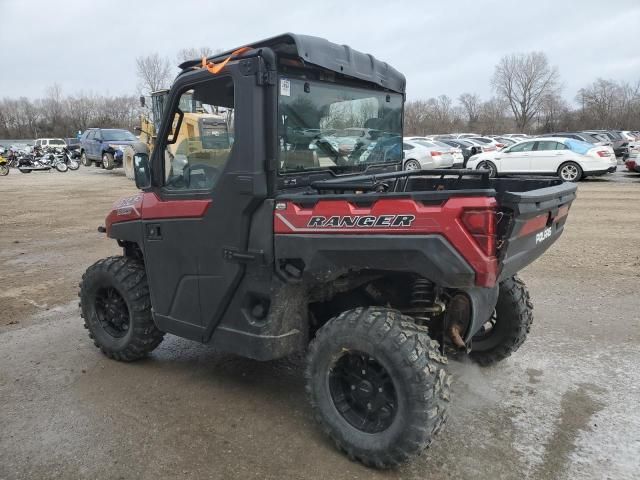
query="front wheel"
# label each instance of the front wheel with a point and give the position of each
(85, 160)
(116, 307)
(73, 165)
(108, 163)
(570, 172)
(377, 385)
(61, 167)
(486, 165)
(508, 327)
(4, 170)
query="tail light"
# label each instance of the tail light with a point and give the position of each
(603, 153)
(499, 145)
(481, 224)
(435, 154)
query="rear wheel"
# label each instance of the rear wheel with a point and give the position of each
(116, 307)
(508, 327)
(4, 170)
(487, 165)
(108, 162)
(411, 165)
(570, 172)
(377, 385)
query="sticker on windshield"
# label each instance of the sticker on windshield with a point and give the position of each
(285, 87)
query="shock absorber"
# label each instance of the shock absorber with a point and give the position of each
(424, 300)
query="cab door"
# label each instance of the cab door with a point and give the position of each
(206, 186)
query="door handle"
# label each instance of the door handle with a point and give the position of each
(153, 231)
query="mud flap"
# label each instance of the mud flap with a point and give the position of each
(483, 302)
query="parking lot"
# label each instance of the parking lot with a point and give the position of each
(564, 406)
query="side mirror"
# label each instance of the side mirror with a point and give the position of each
(141, 170)
(137, 129)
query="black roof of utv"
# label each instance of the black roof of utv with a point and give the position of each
(323, 53)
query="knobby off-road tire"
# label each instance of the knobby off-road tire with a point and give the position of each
(508, 328)
(412, 372)
(116, 307)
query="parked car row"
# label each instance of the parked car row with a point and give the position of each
(618, 140)
(568, 158)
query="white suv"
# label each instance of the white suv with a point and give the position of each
(50, 142)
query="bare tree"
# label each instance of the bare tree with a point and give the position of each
(194, 53)
(471, 104)
(599, 101)
(416, 113)
(492, 117)
(154, 72)
(524, 80)
(552, 115)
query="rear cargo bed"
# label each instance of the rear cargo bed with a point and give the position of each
(531, 211)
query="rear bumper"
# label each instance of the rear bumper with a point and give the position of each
(538, 221)
(593, 173)
(442, 163)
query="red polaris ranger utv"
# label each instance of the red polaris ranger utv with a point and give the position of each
(282, 221)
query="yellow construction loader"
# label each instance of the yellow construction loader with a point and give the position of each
(199, 130)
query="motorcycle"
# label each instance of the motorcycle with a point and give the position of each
(51, 158)
(4, 166)
(29, 162)
(68, 158)
(12, 157)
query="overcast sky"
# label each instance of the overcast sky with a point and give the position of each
(446, 47)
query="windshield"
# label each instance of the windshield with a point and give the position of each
(118, 135)
(331, 126)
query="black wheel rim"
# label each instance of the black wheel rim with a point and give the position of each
(487, 328)
(363, 392)
(112, 312)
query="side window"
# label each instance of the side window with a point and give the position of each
(550, 145)
(97, 135)
(546, 145)
(38, 142)
(406, 146)
(202, 135)
(523, 147)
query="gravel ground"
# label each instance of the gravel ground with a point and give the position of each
(563, 407)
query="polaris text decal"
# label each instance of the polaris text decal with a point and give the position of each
(126, 205)
(367, 221)
(543, 235)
